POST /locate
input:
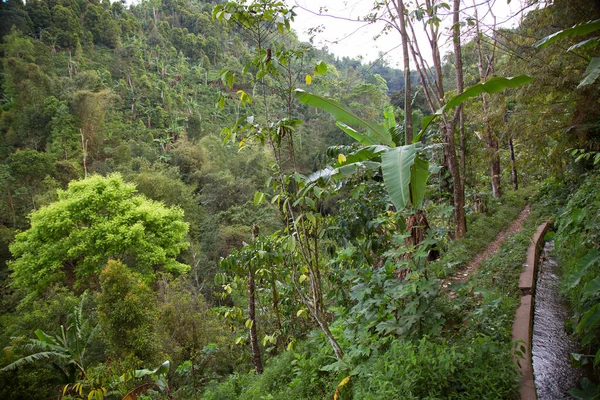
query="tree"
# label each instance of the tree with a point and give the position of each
(97, 219)
(128, 314)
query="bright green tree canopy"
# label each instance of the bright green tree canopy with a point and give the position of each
(97, 219)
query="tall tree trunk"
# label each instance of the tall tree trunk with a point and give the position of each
(458, 196)
(462, 148)
(513, 164)
(434, 85)
(256, 358)
(458, 189)
(408, 122)
(491, 140)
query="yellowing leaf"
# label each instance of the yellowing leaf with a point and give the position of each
(308, 79)
(341, 158)
(301, 311)
(249, 323)
(303, 277)
(342, 383)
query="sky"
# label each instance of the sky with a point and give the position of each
(344, 34)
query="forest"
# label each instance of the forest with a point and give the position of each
(195, 204)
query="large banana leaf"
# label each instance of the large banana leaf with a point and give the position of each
(581, 29)
(419, 173)
(492, 86)
(374, 133)
(396, 165)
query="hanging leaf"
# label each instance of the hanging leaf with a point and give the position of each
(342, 383)
(259, 197)
(320, 68)
(591, 73)
(396, 166)
(308, 79)
(418, 180)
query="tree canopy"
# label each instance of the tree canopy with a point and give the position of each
(94, 220)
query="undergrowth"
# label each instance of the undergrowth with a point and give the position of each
(470, 358)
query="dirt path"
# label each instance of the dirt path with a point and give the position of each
(491, 249)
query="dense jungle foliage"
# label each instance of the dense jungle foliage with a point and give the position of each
(195, 204)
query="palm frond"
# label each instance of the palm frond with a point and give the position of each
(32, 358)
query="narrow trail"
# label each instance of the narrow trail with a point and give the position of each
(491, 249)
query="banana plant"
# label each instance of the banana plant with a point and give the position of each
(67, 350)
(404, 167)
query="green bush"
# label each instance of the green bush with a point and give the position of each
(292, 375)
(479, 369)
(577, 244)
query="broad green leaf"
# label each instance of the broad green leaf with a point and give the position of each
(591, 289)
(390, 118)
(589, 320)
(321, 68)
(577, 30)
(342, 114)
(259, 197)
(583, 266)
(418, 180)
(591, 73)
(492, 86)
(396, 167)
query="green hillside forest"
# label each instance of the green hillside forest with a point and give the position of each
(195, 204)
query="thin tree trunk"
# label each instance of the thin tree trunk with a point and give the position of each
(491, 140)
(408, 122)
(256, 358)
(462, 148)
(460, 222)
(458, 189)
(275, 295)
(495, 166)
(325, 328)
(437, 95)
(513, 164)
